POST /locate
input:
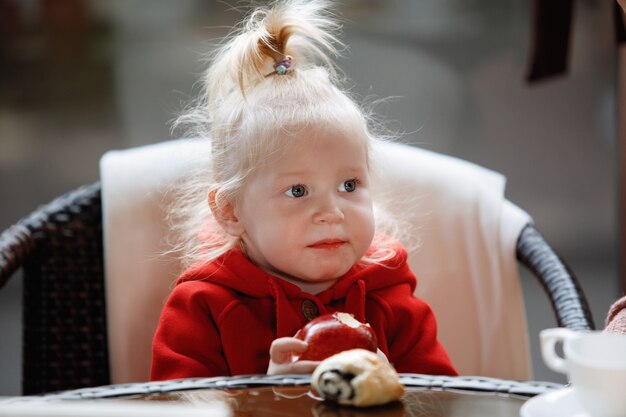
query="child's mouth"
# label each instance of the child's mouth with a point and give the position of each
(328, 244)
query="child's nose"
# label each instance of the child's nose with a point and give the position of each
(328, 213)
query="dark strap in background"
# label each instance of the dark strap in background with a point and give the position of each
(620, 30)
(549, 49)
(551, 33)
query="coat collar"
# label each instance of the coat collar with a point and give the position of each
(234, 270)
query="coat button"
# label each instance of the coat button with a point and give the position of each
(309, 309)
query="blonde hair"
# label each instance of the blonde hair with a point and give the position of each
(248, 111)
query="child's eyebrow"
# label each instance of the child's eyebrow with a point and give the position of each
(291, 173)
(301, 173)
(357, 169)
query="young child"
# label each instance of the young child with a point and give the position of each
(291, 233)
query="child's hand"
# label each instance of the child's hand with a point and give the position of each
(280, 357)
(382, 355)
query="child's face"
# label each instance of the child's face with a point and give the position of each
(307, 214)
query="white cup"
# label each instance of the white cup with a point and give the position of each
(595, 363)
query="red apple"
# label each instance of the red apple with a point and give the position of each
(334, 333)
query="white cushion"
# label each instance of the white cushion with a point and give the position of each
(138, 278)
(465, 264)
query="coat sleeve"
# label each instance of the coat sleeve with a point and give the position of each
(413, 343)
(411, 329)
(187, 343)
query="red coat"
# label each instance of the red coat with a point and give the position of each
(223, 315)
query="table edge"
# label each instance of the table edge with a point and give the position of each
(470, 384)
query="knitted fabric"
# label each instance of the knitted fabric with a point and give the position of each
(616, 319)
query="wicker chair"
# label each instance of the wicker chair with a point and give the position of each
(59, 248)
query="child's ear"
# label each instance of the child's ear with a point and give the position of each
(224, 212)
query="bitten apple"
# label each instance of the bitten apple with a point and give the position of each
(333, 333)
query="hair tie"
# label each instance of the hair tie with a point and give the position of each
(281, 67)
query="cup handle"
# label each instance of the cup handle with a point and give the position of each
(549, 338)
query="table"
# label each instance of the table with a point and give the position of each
(289, 395)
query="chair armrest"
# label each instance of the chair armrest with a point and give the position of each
(16, 245)
(59, 249)
(19, 242)
(566, 295)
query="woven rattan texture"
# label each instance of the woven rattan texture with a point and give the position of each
(566, 295)
(59, 247)
(16, 244)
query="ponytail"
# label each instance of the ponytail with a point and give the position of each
(302, 29)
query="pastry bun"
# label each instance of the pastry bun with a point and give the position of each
(357, 377)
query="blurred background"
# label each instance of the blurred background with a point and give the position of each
(80, 77)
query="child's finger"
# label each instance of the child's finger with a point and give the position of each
(382, 355)
(280, 348)
(304, 367)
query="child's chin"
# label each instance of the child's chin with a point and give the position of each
(329, 274)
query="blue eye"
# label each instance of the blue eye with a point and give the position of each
(348, 186)
(297, 191)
